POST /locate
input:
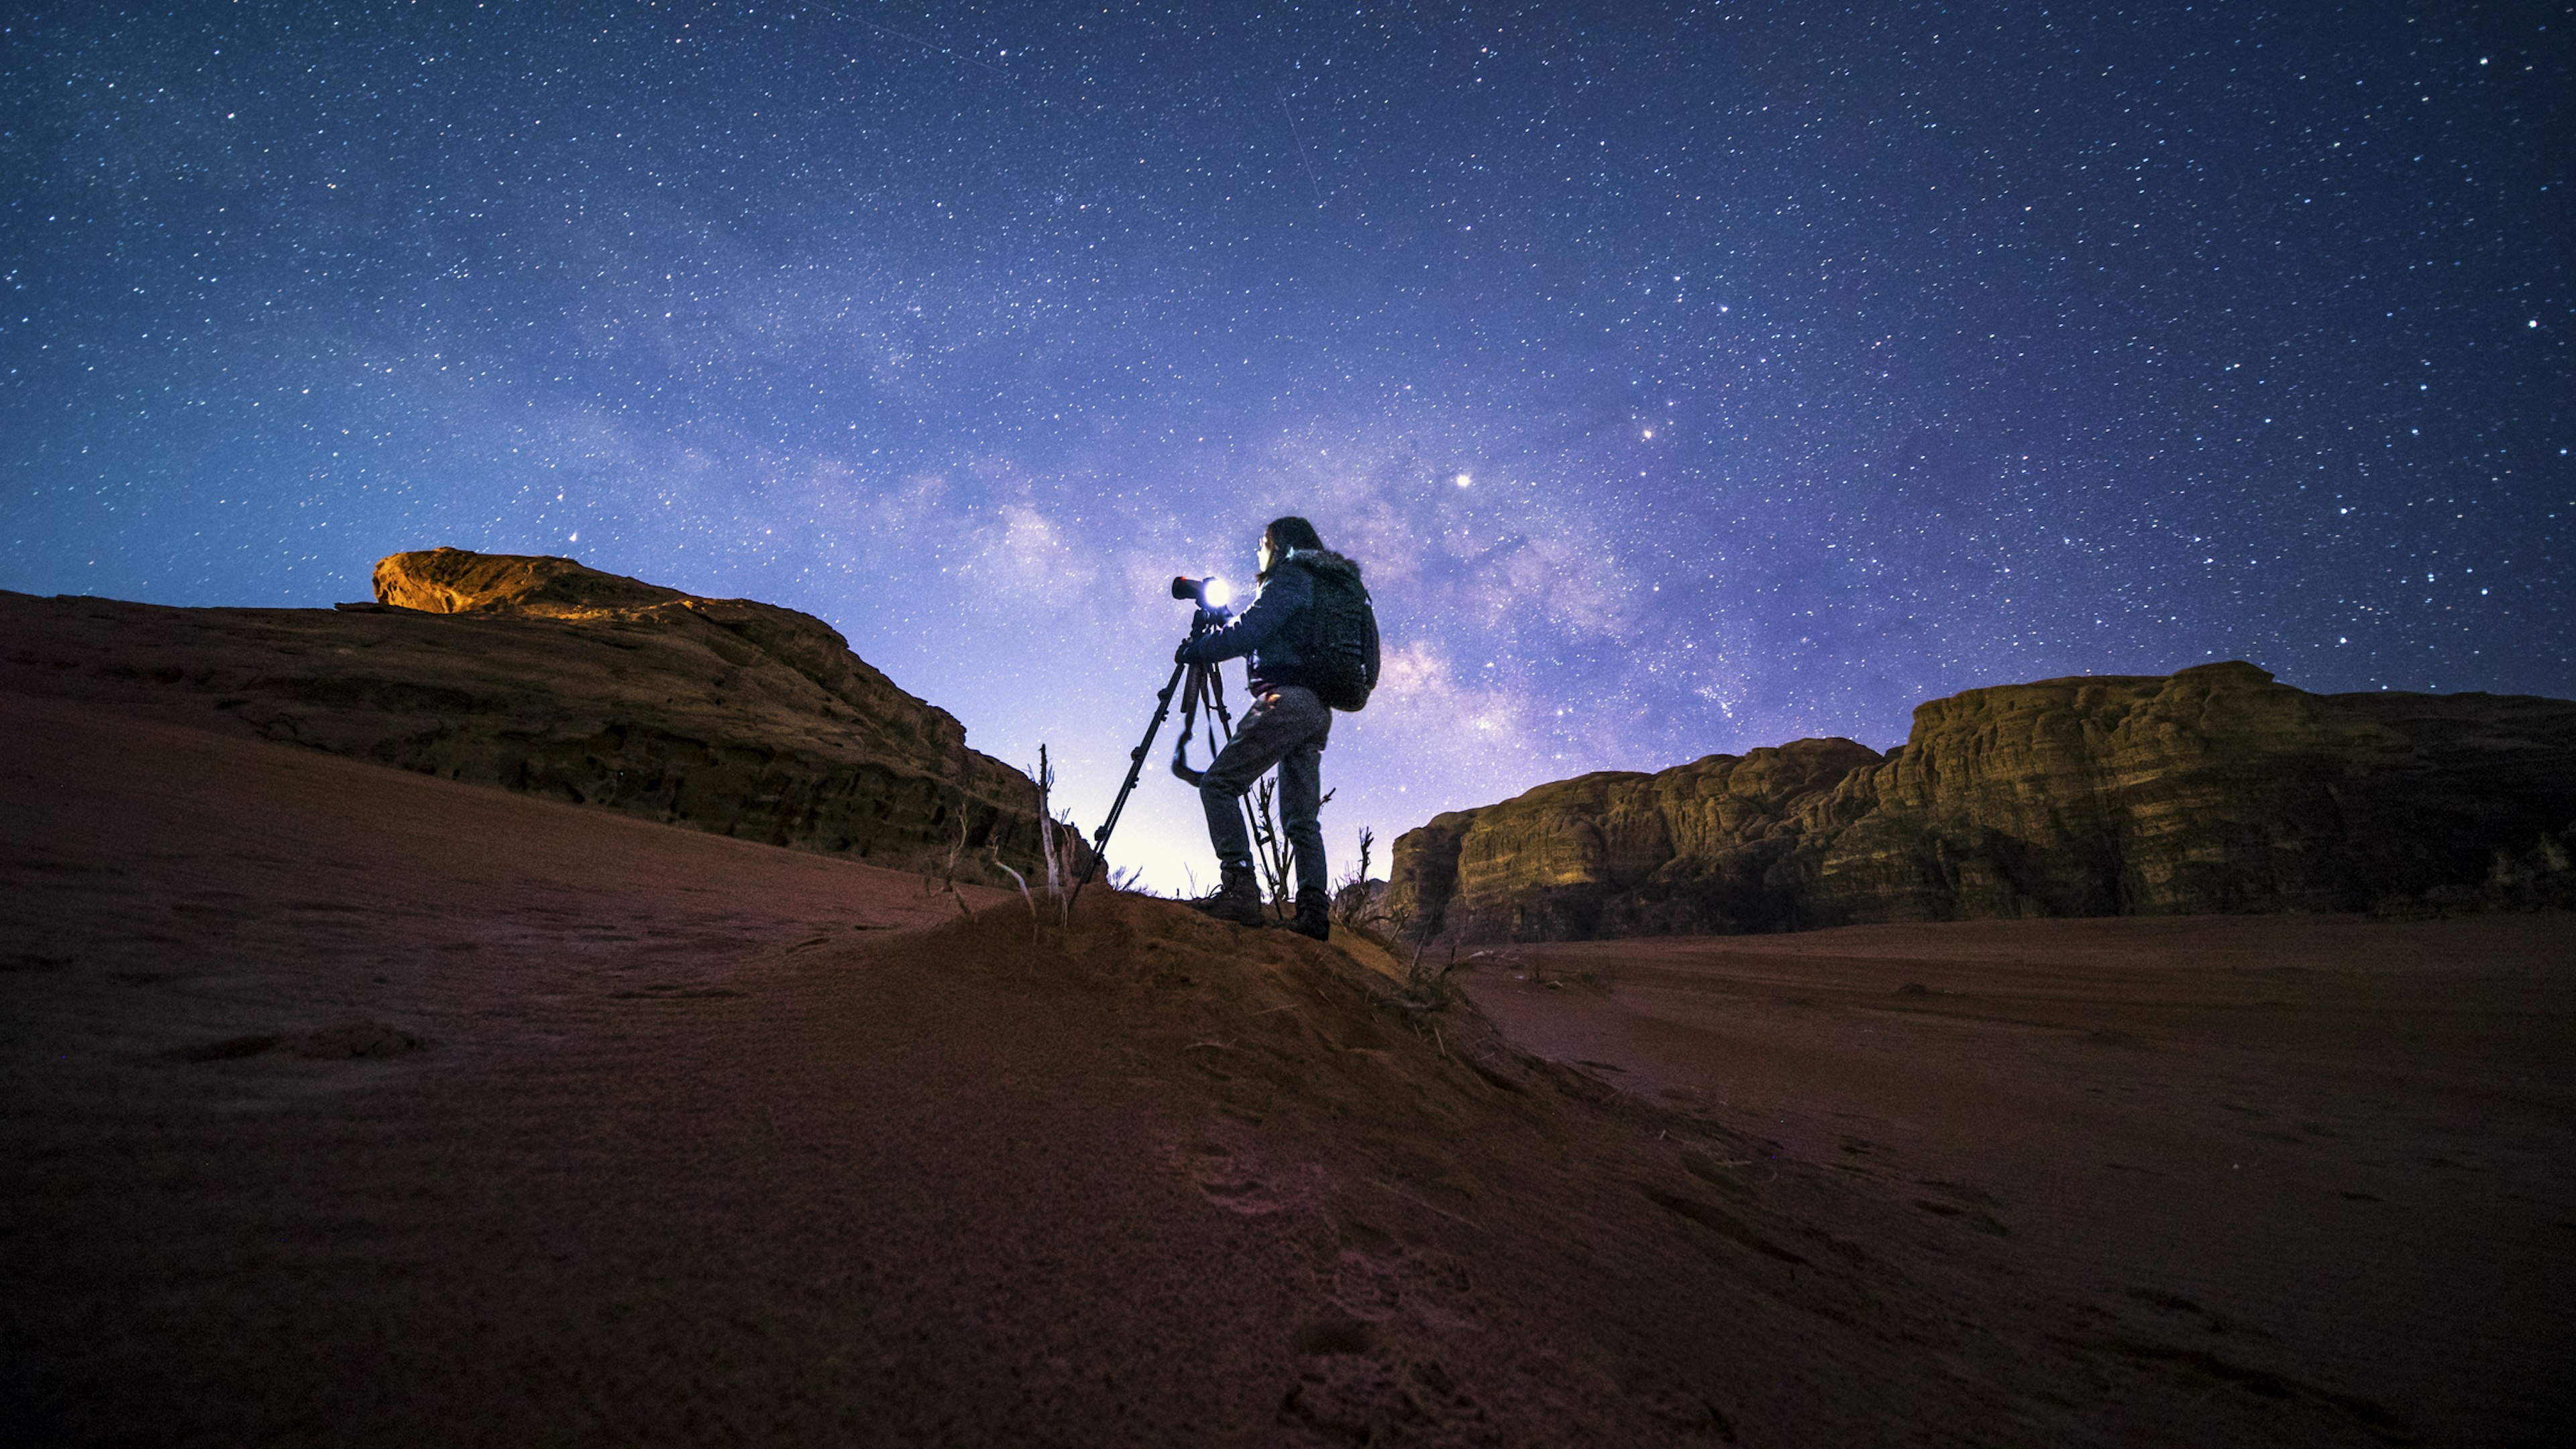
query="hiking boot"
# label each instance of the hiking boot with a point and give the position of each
(1314, 916)
(1235, 899)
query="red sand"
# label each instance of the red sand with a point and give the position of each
(2327, 1148)
(353, 1107)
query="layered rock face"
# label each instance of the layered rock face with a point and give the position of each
(2211, 790)
(541, 675)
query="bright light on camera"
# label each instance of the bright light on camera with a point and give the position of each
(1218, 593)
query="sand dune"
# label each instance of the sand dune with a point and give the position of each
(350, 1106)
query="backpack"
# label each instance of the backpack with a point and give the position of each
(1340, 648)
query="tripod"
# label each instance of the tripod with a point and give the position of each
(1205, 686)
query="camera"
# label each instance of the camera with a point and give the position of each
(1211, 594)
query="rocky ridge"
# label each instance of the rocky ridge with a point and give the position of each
(542, 675)
(2214, 789)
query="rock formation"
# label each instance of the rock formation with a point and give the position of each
(541, 675)
(2212, 790)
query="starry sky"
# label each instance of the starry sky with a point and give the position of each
(1687, 378)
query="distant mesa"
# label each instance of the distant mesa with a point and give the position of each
(542, 675)
(2211, 790)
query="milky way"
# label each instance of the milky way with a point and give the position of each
(1687, 379)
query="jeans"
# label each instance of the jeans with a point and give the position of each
(1286, 727)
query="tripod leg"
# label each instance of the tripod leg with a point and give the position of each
(1135, 767)
(1216, 701)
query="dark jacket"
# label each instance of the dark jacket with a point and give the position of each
(1271, 632)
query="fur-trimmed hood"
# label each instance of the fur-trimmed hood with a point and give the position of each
(1319, 560)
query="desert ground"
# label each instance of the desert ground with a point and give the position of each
(2326, 1150)
(343, 1105)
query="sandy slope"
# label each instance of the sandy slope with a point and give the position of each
(348, 1106)
(2330, 1150)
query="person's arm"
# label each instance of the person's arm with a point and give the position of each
(1288, 591)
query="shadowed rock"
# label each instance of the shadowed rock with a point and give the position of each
(2211, 790)
(542, 675)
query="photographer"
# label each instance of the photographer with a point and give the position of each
(1286, 638)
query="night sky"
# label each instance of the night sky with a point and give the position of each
(1686, 378)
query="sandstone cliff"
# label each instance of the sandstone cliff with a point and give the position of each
(541, 675)
(2212, 790)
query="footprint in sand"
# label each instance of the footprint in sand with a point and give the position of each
(1381, 1282)
(1231, 1173)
